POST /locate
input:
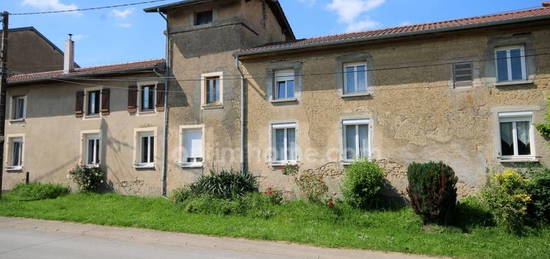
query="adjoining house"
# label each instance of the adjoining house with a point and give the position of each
(108, 116)
(244, 93)
(30, 51)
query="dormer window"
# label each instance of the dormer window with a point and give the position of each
(202, 18)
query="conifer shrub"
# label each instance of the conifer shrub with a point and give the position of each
(432, 191)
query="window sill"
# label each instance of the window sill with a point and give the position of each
(17, 120)
(364, 94)
(286, 100)
(212, 106)
(517, 159)
(145, 112)
(14, 168)
(512, 83)
(92, 166)
(189, 165)
(144, 166)
(283, 163)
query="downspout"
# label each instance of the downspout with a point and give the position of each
(244, 118)
(167, 72)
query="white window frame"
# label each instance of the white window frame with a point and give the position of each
(509, 63)
(139, 97)
(183, 159)
(517, 117)
(356, 123)
(12, 108)
(85, 136)
(86, 102)
(344, 77)
(9, 154)
(285, 126)
(138, 134)
(283, 75)
(205, 76)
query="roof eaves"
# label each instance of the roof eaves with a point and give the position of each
(165, 7)
(270, 50)
(78, 75)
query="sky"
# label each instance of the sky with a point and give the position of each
(128, 34)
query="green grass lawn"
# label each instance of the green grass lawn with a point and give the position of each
(301, 222)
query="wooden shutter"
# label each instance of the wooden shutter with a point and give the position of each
(79, 104)
(161, 87)
(132, 98)
(105, 101)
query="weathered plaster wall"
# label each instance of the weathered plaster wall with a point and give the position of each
(29, 52)
(417, 114)
(53, 137)
(197, 50)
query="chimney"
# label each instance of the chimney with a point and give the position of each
(68, 64)
(546, 4)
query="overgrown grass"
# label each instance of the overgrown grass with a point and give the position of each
(298, 221)
(37, 191)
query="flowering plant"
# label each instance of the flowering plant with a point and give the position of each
(275, 196)
(88, 179)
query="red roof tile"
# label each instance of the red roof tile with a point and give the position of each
(86, 71)
(486, 20)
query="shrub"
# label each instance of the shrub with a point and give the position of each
(363, 182)
(181, 194)
(312, 186)
(432, 191)
(507, 198)
(251, 204)
(275, 196)
(225, 184)
(88, 179)
(539, 189)
(38, 191)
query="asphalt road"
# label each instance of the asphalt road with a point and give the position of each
(27, 238)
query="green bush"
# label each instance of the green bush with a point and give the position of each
(432, 190)
(225, 184)
(181, 194)
(539, 190)
(251, 204)
(507, 197)
(88, 179)
(37, 191)
(363, 182)
(312, 186)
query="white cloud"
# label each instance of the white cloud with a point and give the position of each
(49, 5)
(353, 12)
(124, 25)
(122, 14)
(79, 37)
(362, 25)
(405, 23)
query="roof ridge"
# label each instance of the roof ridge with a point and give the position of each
(429, 23)
(122, 63)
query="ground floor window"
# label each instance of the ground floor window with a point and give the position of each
(356, 139)
(516, 134)
(192, 143)
(92, 149)
(284, 143)
(16, 152)
(145, 149)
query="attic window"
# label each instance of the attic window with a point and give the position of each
(203, 17)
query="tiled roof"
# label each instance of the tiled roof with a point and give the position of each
(464, 23)
(86, 71)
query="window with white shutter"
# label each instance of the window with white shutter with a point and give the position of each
(192, 147)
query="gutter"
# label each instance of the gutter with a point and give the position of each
(389, 36)
(168, 67)
(244, 119)
(76, 76)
